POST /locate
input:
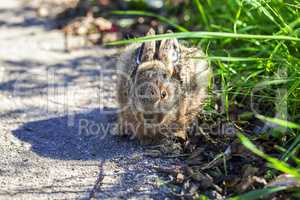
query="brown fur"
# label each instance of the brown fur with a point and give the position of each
(180, 86)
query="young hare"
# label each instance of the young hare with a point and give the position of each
(161, 89)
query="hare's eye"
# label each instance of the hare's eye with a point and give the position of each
(174, 56)
(163, 94)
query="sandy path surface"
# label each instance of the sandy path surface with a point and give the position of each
(56, 110)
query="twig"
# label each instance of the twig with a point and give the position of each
(98, 183)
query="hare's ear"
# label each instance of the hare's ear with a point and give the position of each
(169, 51)
(147, 50)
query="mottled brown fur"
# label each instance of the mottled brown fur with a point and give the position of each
(178, 92)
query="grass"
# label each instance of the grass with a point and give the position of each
(277, 164)
(258, 194)
(253, 47)
(207, 35)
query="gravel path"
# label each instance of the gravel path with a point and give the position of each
(55, 114)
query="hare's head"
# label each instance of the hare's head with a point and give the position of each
(156, 90)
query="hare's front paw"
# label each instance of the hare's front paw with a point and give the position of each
(122, 128)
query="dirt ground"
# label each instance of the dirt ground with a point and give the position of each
(55, 114)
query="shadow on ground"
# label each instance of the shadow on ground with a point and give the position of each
(55, 138)
(84, 136)
(26, 82)
(29, 19)
(78, 136)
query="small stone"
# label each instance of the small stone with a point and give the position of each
(110, 37)
(43, 12)
(179, 178)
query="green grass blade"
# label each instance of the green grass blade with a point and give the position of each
(277, 164)
(279, 122)
(201, 11)
(257, 5)
(272, 82)
(149, 14)
(230, 59)
(257, 194)
(288, 153)
(284, 124)
(200, 34)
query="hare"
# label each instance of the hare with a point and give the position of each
(160, 89)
